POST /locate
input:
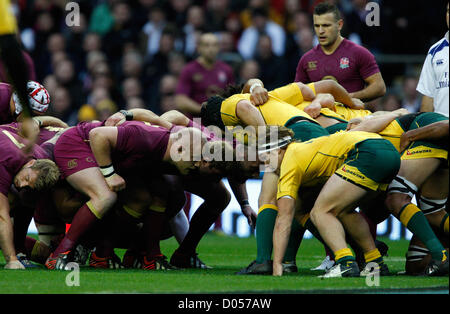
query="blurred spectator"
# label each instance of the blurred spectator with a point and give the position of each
(134, 102)
(105, 108)
(272, 13)
(30, 66)
(66, 77)
(132, 64)
(177, 11)
(261, 24)
(62, 106)
(273, 69)
(228, 52)
(193, 29)
(86, 113)
(102, 19)
(203, 77)
(390, 102)
(152, 31)
(131, 87)
(249, 69)
(177, 61)
(217, 12)
(122, 32)
(411, 99)
(166, 93)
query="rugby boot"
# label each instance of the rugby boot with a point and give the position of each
(158, 262)
(108, 262)
(349, 269)
(254, 268)
(181, 260)
(437, 268)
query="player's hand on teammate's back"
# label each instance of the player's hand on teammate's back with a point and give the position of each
(115, 119)
(30, 130)
(313, 109)
(359, 104)
(115, 183)
(14, 265)
(259, 96)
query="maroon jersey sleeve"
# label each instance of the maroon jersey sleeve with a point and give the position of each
(300, 73)
(367, 64)
(6, 180)
(184, 82)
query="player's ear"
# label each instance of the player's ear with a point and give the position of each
(340, 24)
(30, 163)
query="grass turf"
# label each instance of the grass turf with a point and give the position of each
(226, 255)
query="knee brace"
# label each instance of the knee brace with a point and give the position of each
(402, 186)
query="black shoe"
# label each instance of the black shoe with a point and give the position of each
(374, 268)
(289, 267)
(347, 269)
(264, 268)
(437, 268)
(157, 262)
(187, 261)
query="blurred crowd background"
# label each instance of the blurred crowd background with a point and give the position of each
(129, 54)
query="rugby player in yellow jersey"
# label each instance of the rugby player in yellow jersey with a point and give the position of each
(423, 173)
(235, 108)
(351, 166)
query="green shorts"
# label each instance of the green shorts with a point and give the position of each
(372, 164)
(305, 130)
(423, 148)
(342, 126)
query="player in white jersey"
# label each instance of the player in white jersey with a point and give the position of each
(433, 82)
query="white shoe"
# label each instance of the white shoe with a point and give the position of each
(339, 270)
(327, 263)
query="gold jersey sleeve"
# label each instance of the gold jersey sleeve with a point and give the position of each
(8, 23)
(313, 162)
(276, 111)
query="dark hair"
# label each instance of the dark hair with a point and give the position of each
(324, 8)
(210, 112)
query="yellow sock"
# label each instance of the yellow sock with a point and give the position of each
(407, 213)
(372, 255)
(445, 224)
(265, 206)
(343, 254)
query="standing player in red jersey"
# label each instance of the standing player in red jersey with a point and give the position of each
(201, 79)
(337, 58)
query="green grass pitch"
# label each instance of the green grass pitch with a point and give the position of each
(226, 255)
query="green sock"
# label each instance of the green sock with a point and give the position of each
(416, 222)
(264, 232)
(295, 238)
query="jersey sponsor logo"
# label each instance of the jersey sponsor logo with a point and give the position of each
(222, 76)
(344, 63)
(72, 164)
(312, 65)
(197, 77)
(413, 152)
(344, 169)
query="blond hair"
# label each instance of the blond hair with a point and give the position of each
(48, 174)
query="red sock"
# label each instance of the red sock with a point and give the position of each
(153, 226)
(82, 222)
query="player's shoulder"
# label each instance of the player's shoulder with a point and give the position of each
(438, 46)
(311, 53)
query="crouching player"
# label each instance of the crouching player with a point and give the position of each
(354, 166)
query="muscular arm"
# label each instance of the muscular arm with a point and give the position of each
(102, 141)
(281, 232)
(427, 104)
(436, 130)
(6, 231)
(375, 88)
(186, 104)
(249, 114)
(240, 192)
(375, 124)
(339, 93)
